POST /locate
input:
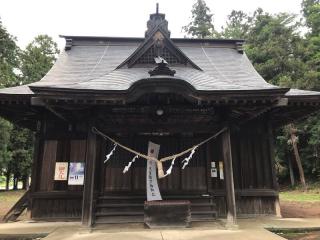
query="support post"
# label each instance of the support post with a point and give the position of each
(35, 173)
(230, 194)
(36, 154)
(88, 190)
(275, 184)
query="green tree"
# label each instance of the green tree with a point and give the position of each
(5, 153)
(38, 58)
(36, 61)
(9, 64)
(273, 44)
(33, 62)
(311, 13)
(285, 57)
(276, 48)
(201, 25)
(310, 128)
(9, 61)
(237, 25)
(21, 147)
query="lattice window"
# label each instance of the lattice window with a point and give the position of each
(148, 57)
(169, 57)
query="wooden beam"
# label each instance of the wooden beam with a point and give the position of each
(255, 192)
(56, 113)
(228, 171)
(37, 101)
(57, 195)
(157, 128)
(88, 191)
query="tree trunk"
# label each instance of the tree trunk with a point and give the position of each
(15, 182)
(25, 182)
(8, 174)
(292, 180)
(297, 156)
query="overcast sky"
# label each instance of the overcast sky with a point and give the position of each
(27, 18)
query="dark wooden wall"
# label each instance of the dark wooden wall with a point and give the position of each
(192, 179)
(251, 158)
(256, 191)
(255, 188)
(56, 199)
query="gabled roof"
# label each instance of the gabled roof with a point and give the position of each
(112, 70)
(95, 67)
(113, 64)
(158, 39)
(92, 64)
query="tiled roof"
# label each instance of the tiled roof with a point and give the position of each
(91, 64)
(94, 67)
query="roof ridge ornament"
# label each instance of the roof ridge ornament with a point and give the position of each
(157, 20)
(162, 68)
(68, 44)
(158, 43)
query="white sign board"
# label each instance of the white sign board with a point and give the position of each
(61, 171)
(153, 192)
(214, 172)
(76, 173)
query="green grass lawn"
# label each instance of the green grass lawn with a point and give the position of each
(312, 194)
(8, 199)
(294, 196)
(10, 196)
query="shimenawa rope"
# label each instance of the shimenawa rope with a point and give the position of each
(161, 160)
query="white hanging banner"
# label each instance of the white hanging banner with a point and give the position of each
(153, 192)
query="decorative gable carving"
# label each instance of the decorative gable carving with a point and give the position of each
(158, 49)
(157, 44)
(148, 57)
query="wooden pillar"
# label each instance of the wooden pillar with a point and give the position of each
(228, 170)
(88, 190)
(275, 184)
(36, 164)
(38, 139)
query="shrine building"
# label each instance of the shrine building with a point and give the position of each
(175, 92)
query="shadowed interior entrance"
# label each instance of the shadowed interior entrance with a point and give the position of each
(128, 191)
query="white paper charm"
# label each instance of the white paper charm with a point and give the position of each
(126, 168)
(108, 156)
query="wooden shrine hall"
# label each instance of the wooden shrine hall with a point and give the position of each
(175, 92)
